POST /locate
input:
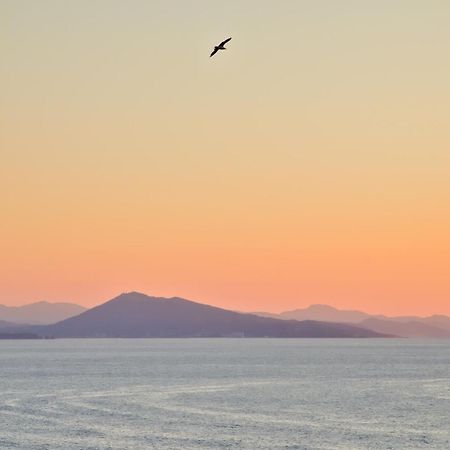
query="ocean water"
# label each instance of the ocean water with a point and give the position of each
(225, 393)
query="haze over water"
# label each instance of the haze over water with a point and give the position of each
(224, 393)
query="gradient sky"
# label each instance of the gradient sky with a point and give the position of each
(309, 163)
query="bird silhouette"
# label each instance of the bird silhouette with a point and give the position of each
(221, 46)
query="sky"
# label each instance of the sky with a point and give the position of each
(308, 163)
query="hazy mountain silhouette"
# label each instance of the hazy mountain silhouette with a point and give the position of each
(325, 313)
(138, 315)
(412, 328)
(436, 320)
(39, 313)
(5, 324)
(437, 326)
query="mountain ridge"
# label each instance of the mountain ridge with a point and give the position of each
(135, 315)
(434, 326)
(39, 313)
(411, 329)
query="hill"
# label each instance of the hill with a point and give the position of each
(41, 313)
(138, 315)
(5, 324)
(437, 326)
(325, 313)
(411, 328)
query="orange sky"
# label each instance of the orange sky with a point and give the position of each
(309, 163)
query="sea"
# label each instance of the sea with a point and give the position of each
(224, 393)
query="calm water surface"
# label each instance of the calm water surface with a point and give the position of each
(225, 393)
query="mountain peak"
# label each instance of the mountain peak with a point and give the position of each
(132, 294)
(320, 307)
(325, 313)
(134, 297)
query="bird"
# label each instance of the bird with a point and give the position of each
(221, 46)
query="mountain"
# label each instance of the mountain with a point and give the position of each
(5, 324)
(39, 313)
(436, 320)
(412, 328)
(325, 313)
(439, 321)
(437, 326)
(138, 315)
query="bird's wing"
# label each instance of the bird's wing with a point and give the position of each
(214, 52)
(225, 41)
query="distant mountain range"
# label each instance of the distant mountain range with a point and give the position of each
(40, 313)
(135, 315)
(412, 328)
(437, 326)
(324, 313)
(138, 315)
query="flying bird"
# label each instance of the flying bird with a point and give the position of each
(221, 46)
